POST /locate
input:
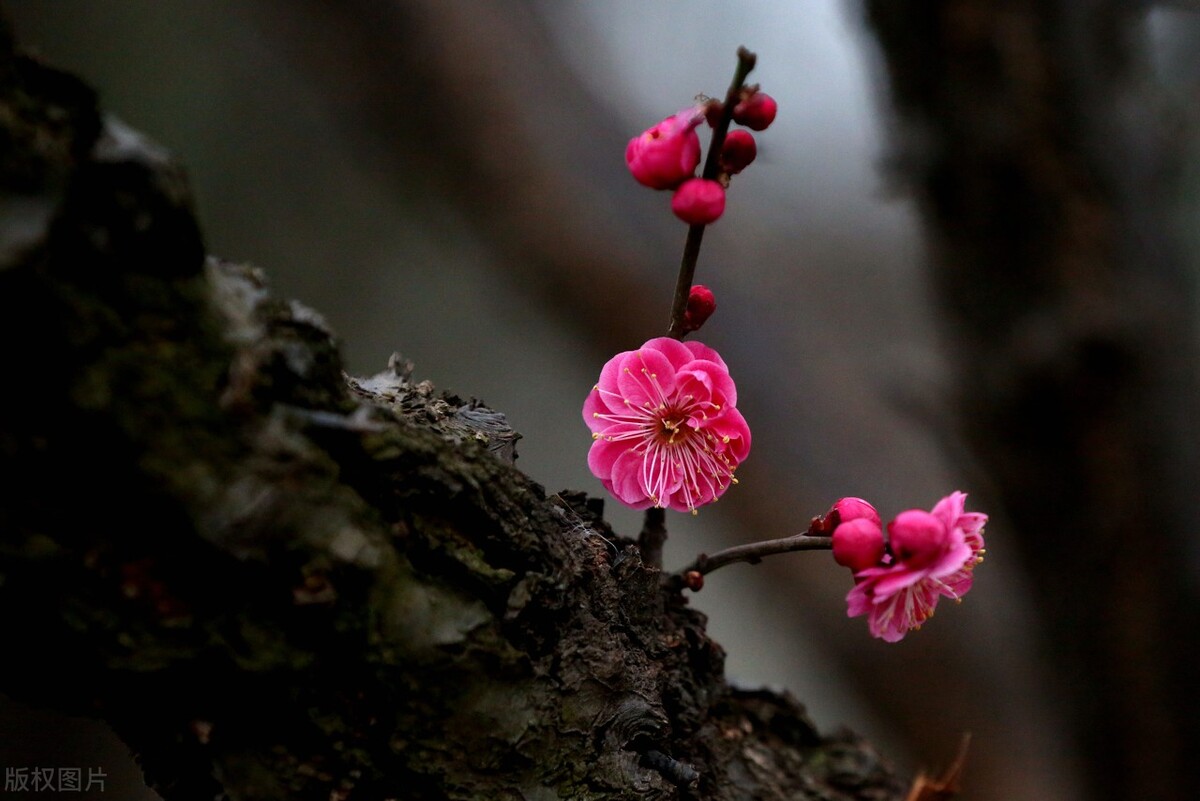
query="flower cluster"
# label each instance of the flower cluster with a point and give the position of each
(928, 556)
(666, 431)
(666, 155)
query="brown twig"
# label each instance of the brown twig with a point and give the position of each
(712, 165)
(752, 553)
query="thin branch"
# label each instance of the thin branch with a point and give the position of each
(752, 553)
(712, 165)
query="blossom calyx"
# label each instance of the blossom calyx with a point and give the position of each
(713, 109)
(699, 201)
(666, 154)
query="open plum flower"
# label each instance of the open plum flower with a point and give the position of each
(665, 426)
(933, 555)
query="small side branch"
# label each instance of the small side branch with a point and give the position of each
(753, 553)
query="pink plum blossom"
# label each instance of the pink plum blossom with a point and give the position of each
(959, 582)
(663, 156)
(665, 426)
(933, 555)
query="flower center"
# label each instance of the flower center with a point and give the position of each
(672, 428)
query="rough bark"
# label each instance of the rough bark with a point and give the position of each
(275, 581)
(1035, 144)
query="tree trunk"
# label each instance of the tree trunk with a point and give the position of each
(274, 581)
(1035, 145)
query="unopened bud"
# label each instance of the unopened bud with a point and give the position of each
(858, 544)
(700, 306)
(756, 111)
(667, 154)
(917, 538)
(738, 151)
(699, 201)
(854, 509)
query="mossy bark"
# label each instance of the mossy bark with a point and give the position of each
(274, 581)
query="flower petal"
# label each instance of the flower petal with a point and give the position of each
(646, 379)
(676, 352)
(703, 352)
(950, 508)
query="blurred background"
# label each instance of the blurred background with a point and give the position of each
(444, 178)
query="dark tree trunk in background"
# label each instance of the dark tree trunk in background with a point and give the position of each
(276, 582)
(1043, 166)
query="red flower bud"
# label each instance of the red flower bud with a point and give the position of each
(858, 544)
(663, 156)
(699, 201)
(855, 508)
(738, 151)
(858, 536)
(700, 306)
(918, 538)
(756, 111)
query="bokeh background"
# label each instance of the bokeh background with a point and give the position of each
(444, 178)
